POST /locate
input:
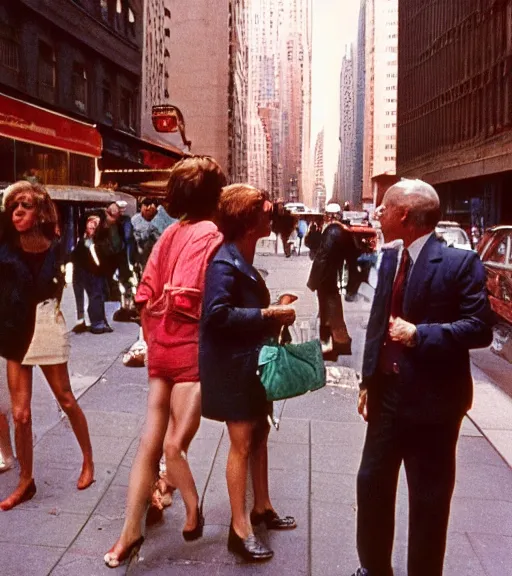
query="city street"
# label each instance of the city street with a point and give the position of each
(313, 464)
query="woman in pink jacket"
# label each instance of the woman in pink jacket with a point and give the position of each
(170, 295)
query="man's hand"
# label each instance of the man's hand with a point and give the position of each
(362, 404)
(402, 331)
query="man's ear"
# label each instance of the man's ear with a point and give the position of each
(405, 216)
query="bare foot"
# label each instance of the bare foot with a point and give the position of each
(86, 476)
(25, 491)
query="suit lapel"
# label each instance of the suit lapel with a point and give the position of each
(382, 298)
(420, 279)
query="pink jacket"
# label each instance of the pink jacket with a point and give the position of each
(175, 274)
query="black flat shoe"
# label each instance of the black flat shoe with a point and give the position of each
(197, 532)
(250, 548)
(273, 521)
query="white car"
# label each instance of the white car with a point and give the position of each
(453, 235)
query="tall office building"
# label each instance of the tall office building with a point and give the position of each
(207, 80)
(155, 76)
(455, 105)
(347, 129)
(319, 191)
(359, 109)
(381, 63)
(279, 96)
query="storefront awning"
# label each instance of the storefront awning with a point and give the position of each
(91, 196)
(22, 121)
(122, 151)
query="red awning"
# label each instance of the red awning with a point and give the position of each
(29, 123)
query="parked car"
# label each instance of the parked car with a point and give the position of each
(495, 250)
(453, 235)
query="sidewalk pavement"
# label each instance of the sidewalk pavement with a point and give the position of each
(313, 461)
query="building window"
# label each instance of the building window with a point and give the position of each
(127, 109)
(79, 87)
(9, 48)
(107, 101)
(119, 7)
(46, 72)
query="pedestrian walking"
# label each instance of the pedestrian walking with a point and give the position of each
(88, 270)
(430, 308)
(336, 248)
(237, 319)
(31, 247)
(302, 229)
(171, 293)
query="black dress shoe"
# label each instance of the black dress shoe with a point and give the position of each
(107, 329)
(197, 532)
(250, 548)
(273, 521)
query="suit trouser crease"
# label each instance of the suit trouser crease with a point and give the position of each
(428, 451)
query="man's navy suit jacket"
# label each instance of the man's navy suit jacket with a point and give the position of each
(446, 299)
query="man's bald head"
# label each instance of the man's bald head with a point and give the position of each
(419, 199)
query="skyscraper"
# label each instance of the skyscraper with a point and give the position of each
(347, 131)
(279, 95)
(319, 192)
(381, 61)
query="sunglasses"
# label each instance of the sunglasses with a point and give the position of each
(24, 205)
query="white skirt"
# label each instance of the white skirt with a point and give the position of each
(50, 342)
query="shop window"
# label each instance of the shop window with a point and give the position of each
(81, 170)
(9, 48)
(7, 175)
(127, 109)
(40, 164)
(46, 72)
(107, 101)
(79, 87)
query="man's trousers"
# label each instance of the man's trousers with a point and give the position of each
(428, 453)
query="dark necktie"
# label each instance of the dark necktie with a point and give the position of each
(397, 297)
(391, 351)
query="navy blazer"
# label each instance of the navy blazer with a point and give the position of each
(446, 299)
(232, 332)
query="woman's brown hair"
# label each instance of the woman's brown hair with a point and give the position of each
(46, 212)
(194, 188)
(240, 208)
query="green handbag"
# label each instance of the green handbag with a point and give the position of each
(291, 370)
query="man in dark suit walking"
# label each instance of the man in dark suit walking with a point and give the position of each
(430, 308)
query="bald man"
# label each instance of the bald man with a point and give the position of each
(430, 308)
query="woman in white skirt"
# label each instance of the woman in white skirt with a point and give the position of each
(31, 240)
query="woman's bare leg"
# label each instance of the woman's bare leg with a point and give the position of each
(241, 437)
(57, 376)
(6, 453)
(185, 417)
(19, 379)
(145, 464)
(259, 467)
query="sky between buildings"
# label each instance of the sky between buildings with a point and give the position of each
(334, 25)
